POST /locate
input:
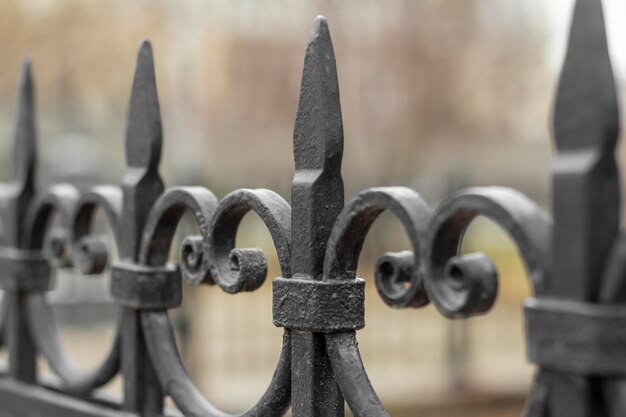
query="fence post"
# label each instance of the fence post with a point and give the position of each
(16, 199)
(141, 187)
(317, 199)
(585, 193)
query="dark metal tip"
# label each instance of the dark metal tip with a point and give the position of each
(25, 130)
(318, 133)
(320, 23)
(144, 130)
(27, 65)
(586, 112)
(320, 32)
(26, 81)
(144, 53)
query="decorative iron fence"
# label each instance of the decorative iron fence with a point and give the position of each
(576, 264)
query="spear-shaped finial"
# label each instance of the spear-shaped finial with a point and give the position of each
(15, 200)
(586, 113)
(586, 183)
(142, 184)
(144, 130)
(141, 187)
(17, 195)
(317, 192)
(25, 155)
(316, 201)
(585, 194)
(318, 134)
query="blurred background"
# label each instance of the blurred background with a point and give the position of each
(436, 95)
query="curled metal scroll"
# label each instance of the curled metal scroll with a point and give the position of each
(212, 263)
(461, 286)
(350, 230)
(352, 378)
(458, 285)
(60, 199)
(177, 384)
(237, 270)
(46, 336)
(64, 201)
(165, 216)
(91, 253)
(341, 261)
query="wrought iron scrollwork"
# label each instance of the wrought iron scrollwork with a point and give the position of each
(348, 235)
(91, 252)
(575, 265)
(212, 259)
(236, 270)
(61, 200)
(460, 286)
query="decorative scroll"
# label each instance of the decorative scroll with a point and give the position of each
(576, 265)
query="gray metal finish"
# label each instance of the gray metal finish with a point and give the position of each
(575, 317)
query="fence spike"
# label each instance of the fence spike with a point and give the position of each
(585, 195)
(17, 195)
(317, 200)
(318, 134)
(144, 130)
(586, 112)
(141, 187)
(142, 184)
(317, 193)
(24, 153)
(15, 201)
(585, 184)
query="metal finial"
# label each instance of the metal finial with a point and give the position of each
(25, 156)
(316, 201)
(585, 195)
(317, 193)
(586, 112)
(318, 134)
(586, 180)
(144, 130)
(142, 184)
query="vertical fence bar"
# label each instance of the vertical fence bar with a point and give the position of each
(141, 186)
(317, 199)
(16, 199)
(585, 187)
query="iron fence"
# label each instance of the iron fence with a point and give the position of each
(574, 321)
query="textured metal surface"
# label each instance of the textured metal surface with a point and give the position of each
(322, 306)
(575, 317)
(571, 336)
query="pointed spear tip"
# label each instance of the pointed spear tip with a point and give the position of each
(25, 92)
(320, 20)
(143, 132)
(145, 47)
(319, 29)
(27, 64)
(25, 132)
(144, 54)
(26, 75)
(586, 109)
(318, 133)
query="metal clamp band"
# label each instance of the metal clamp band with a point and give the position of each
(576, 337)
(319, 306)
(146, 287)
(24, 271)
